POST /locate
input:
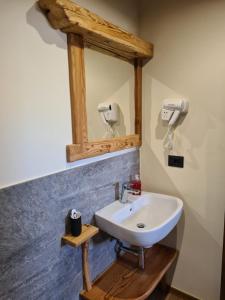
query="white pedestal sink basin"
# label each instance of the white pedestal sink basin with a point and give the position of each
(143, 221)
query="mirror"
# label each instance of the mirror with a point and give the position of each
(109, 96)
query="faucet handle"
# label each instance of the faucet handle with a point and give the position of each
(126, 185)
(126, 189)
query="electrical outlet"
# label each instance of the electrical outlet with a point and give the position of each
(175, 161)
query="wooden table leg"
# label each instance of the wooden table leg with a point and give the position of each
(85, 264)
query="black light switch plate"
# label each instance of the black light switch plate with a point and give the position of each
(175, 161)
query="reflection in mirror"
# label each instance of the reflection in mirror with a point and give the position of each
(109, 96)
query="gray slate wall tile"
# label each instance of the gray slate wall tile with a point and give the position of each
(33, 264)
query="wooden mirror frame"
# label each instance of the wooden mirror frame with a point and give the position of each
(86, 29)
(81, 147)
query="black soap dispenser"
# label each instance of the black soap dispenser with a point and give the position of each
(75, 222)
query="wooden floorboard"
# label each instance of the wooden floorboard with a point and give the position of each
(172, 294)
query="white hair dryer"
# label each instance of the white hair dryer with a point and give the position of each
(171, 110)
(109, 113)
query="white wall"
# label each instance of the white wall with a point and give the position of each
(35, 124)
(189, 39)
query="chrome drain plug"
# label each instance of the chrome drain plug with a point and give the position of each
(140, 225)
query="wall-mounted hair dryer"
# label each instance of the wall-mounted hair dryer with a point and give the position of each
(172, 108)
(109, 112)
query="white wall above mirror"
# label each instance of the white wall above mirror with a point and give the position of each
(109, 84)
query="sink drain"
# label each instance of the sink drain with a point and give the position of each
(140, 225)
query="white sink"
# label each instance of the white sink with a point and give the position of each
(157, 213)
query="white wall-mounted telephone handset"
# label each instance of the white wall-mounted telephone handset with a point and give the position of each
(171, 110)
(109, 112)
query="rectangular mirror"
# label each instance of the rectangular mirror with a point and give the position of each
(109, 96)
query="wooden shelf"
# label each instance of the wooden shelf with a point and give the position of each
(124, 280)
(88, 231)
(98, 33)
(95, 148)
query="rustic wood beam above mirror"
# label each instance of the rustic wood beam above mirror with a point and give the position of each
(86, 29)
(97, 32)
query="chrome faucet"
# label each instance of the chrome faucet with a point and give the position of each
(126, 190)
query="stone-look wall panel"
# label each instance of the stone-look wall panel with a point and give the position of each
(33, 264)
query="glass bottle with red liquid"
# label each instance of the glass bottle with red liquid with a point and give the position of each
(135, 185)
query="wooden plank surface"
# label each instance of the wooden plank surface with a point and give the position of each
(99, 147)
(124, 280)
(88, 231)
(77, 88)
(99, 33)
(138, 97)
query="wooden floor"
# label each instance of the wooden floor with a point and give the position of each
(171, 296)
(158, 294)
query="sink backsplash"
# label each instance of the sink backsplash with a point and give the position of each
(33, 265)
